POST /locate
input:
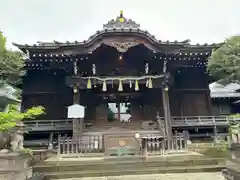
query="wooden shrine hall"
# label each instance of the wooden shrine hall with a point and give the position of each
(123, 76)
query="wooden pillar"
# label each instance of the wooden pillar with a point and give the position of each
(50, 141)
(119, 111)
(76, 100)
(215, 132)
(167, 116)
(75, 123)
(210, 106)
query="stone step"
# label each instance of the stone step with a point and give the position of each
(120, 164)
(132, 171)
(99, 158)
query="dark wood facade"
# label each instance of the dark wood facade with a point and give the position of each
(120, 50)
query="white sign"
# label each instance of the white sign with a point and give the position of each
(76, 111)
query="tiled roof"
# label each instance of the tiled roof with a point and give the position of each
(220, 91)
(8, 92)
(224, 94)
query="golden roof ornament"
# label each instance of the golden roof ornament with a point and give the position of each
(121, 13)
(121, 22)
(121, 18)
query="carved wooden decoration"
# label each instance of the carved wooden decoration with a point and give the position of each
(122, 47)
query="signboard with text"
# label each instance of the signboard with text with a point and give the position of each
(76, 111)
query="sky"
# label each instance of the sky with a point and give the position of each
(201, 21)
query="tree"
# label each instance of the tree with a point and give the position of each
(2, 43)
(224, 63)
(11, 64)
(11, 132)
(9, 119)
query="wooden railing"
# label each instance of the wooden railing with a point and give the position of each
(48, 125)
(158, 145)
(201, 120)
(73, 146)
(150, 145)
(185, 121)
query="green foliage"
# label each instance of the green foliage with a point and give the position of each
(235, 115)
(224, 63)
(9, 119)
(217, 152)
(11, 64)
(2, 43)
(27, 151)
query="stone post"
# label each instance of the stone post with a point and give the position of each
(14, 166)
(232, 171)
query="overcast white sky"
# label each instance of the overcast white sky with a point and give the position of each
(29, 21)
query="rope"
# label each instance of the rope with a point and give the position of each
(123, 78)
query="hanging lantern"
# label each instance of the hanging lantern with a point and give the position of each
(147, 83)
(130, 84)
(136, 85)
(150, 83)
(93, 69)
(146, 68)
(75, 89)
(95, 83)
(120, 87)
(104, 88)
(89, 84)
(166, 88)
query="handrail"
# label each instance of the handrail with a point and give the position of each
(66, 124)
(47, 121)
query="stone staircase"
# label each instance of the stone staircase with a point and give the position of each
(97, 167)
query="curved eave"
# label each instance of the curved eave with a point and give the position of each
(129, 35)
(201, 48)
(97, 39)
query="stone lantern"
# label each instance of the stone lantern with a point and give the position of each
(232, 171)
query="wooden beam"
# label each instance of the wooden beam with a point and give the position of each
(167, 116)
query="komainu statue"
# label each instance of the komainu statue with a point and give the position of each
(12, 139)
(235, 131)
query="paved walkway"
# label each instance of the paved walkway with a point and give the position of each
(185, 176)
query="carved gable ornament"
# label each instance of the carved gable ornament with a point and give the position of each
(121, 23)
(76, 111)
(122, 46)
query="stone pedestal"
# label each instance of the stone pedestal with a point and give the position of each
(233, 164)
(119, 144)
(14, 166)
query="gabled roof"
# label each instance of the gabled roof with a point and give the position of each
(123, 27)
